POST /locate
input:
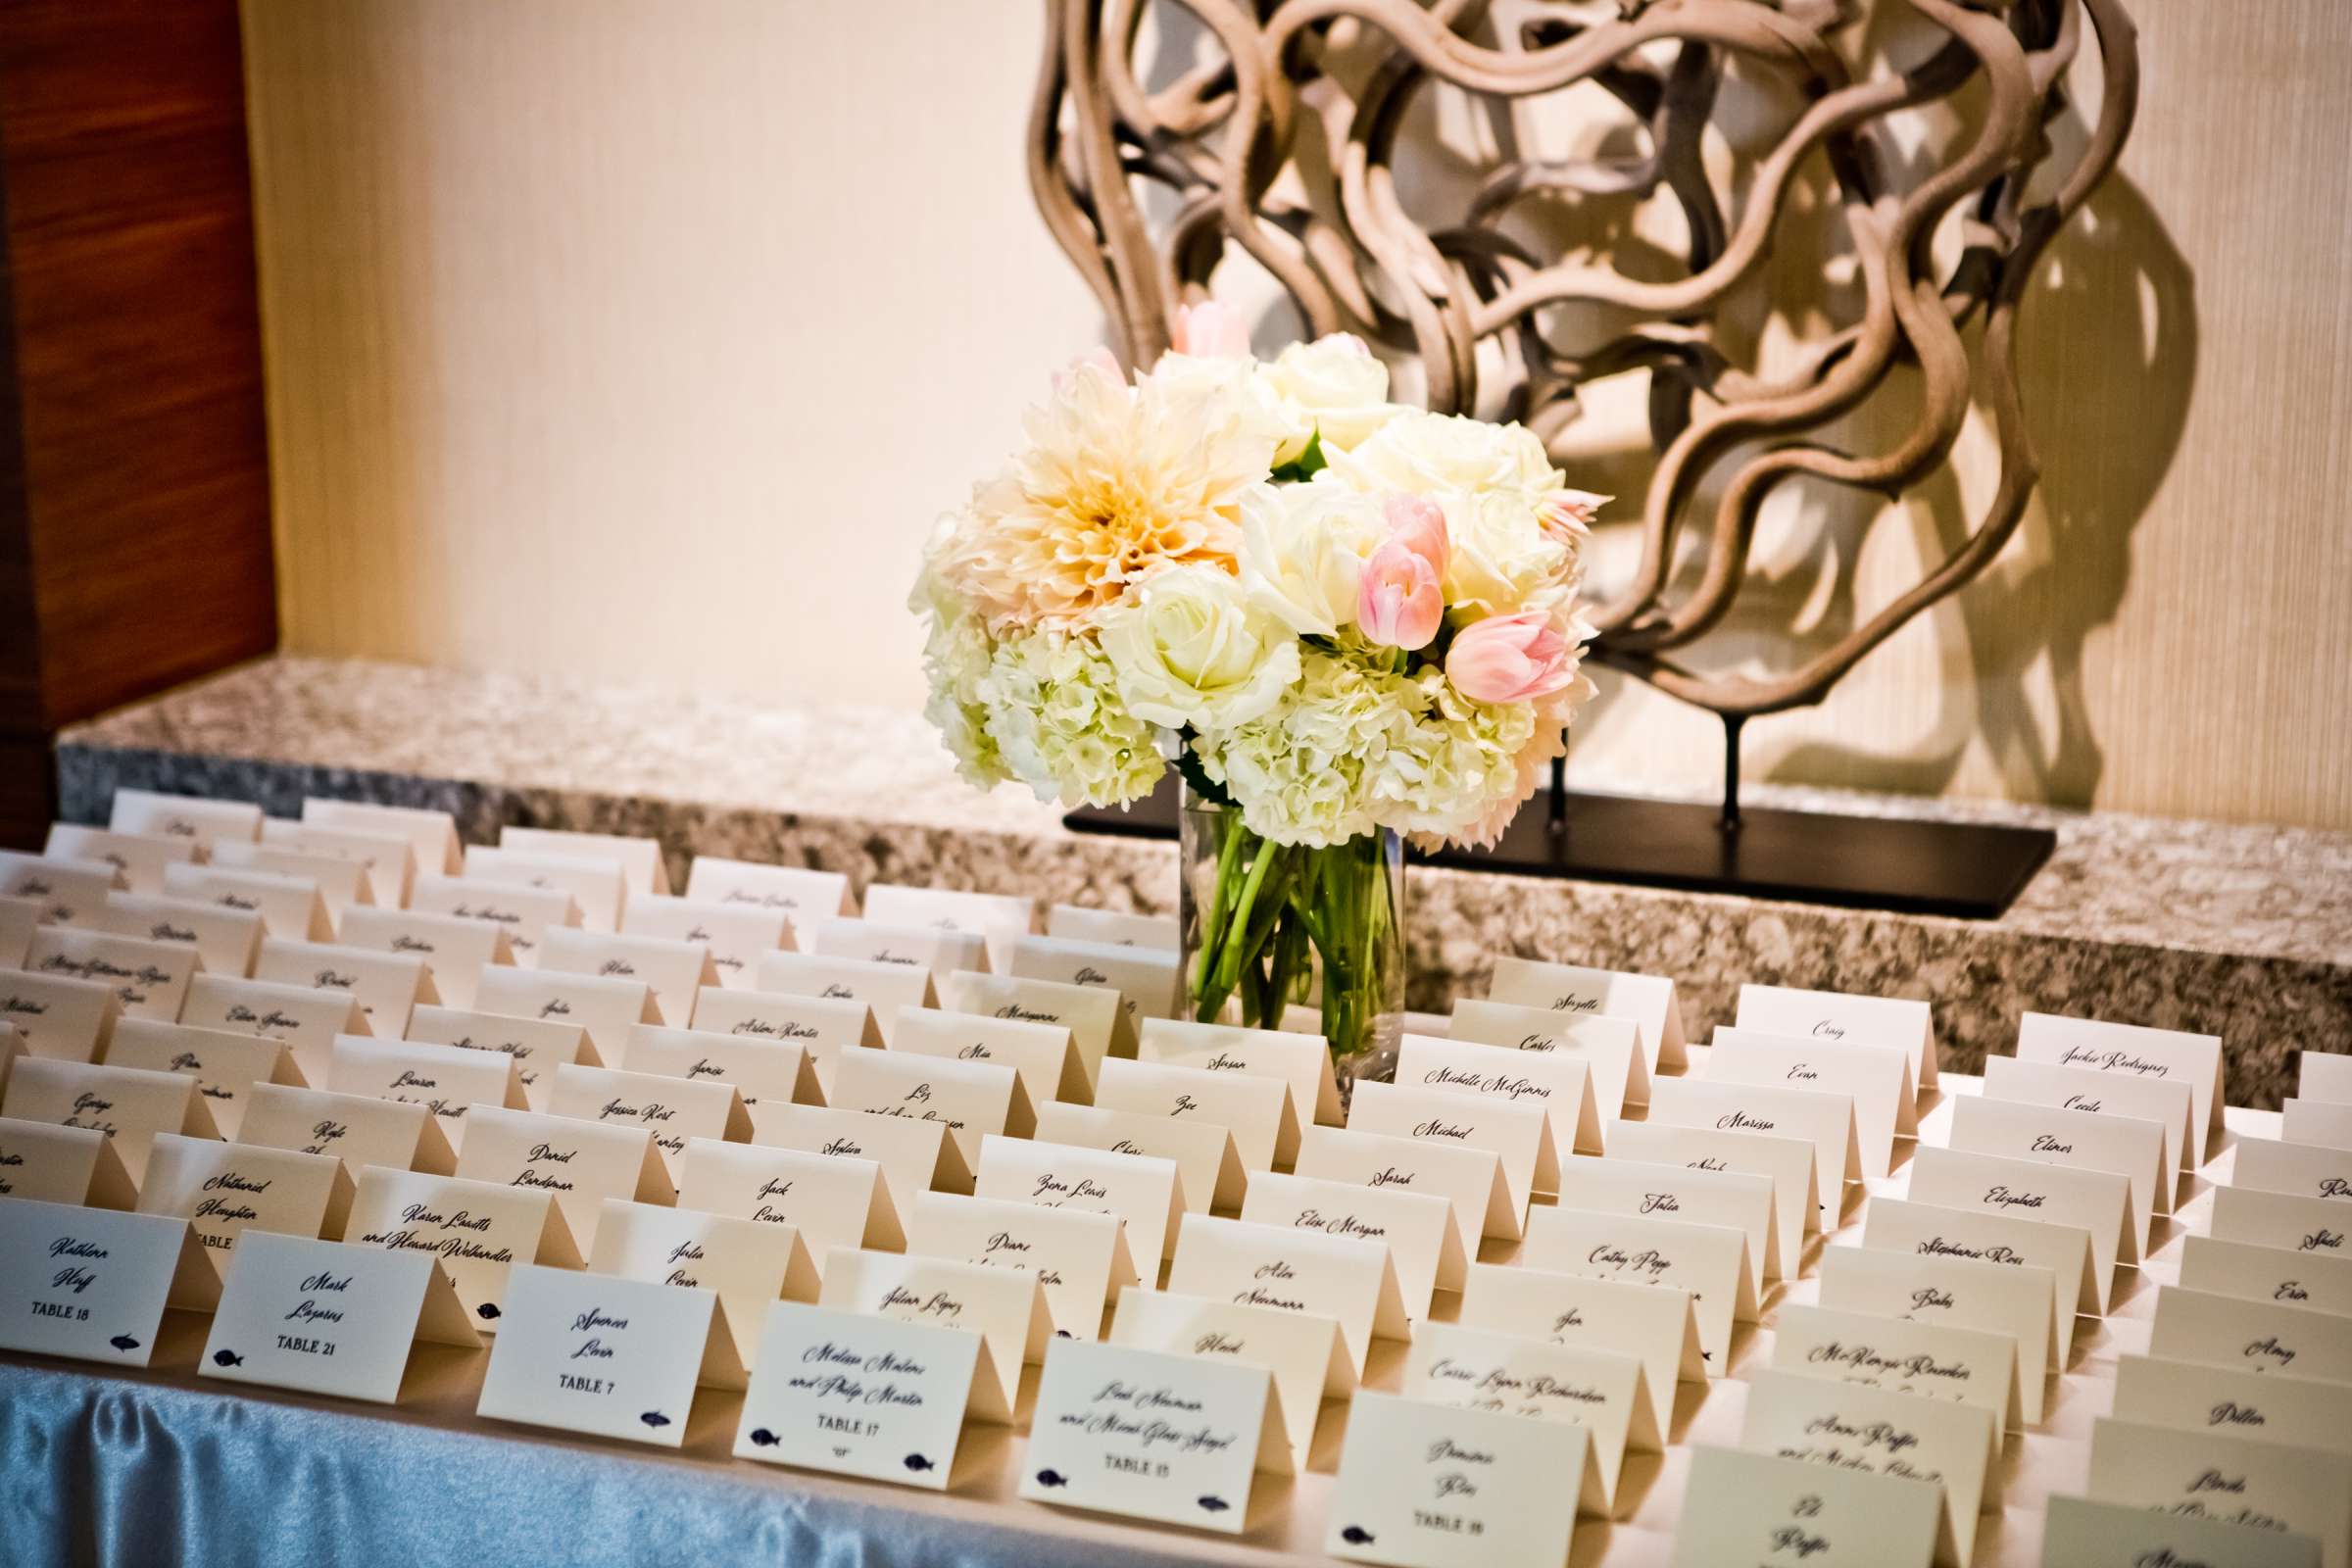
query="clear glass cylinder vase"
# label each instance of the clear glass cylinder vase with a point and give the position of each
(1270, 925)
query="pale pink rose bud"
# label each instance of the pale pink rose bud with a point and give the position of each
(1419, 527)
(1098, 358)
(1566, 514)
(1211, 331)
(1510, 659)
(1398, 602)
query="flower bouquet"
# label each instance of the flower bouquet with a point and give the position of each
(1344, 621)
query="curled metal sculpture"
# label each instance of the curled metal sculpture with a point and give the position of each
(1283, 141)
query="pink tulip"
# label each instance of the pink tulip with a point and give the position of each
(1418, 525)
(1510, 659)
(1211, 331)
(1398, 600)
(1098, 358)
(1567, 515)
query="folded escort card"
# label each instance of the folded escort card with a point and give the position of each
(761, 1069)
(324, 1318)
(385, 985)
(49, 1165)
(478, 1231)
(2097, 1094)
(150, 979)
(639, 858)
(1080, 1258)
(2316, 1121)
(671, 1109)
(597, 886)
(1089, 1012)
(2195, 1398)
(132, 1108)
(2324, 1075)
(750, 1264)
(447, 1080)
(1647, 1001)
(1785, 1163)
(1304, 1355)
(1826, 1121)
(1172, 1438)
(674, 971)
(833, 1202)
(2132, 1051)
(1929, 1231)
(1710, 1261)
(358, 1128)
(970, 1099)
(2121, 1145)
(1878, 1080)
(2301, 1171)
(1896, 1023)
(1423, 1242)
(1300, 1061)
(431, 835)
(86, 1283)
(70, 892)
(800, 892)
(1208, 1169)
(1518, 1135)
(2013, 1299)
(341, 882)
(1558, 1082)
(388, 861)
(1859, 1430)
(453, 949)
(1006, 1308)
(999, 918)
(1902, 1355)
(1075, 923)
(536, 1047)
(2095, 1201)
(821, 1027)
(2315, 1225)
(1759, 1507)
(861, 1395)
(1609, 1047)
(2076, 1532)
(1146, 978)
(525, 915)
(884, 988)
(1431, 1487)
(2318, 1281)
(1655, 1324)
(2262, 1335)
(226, 938)
(916, 1157)
(139, 856)
(19, 918)
(1141, 1192)
(1514, 1375)
(608, 1356)
(2228, 1478)
(185, 816)
(1469, 1179)
(225, 1066)
(58, 1017)
(604, 1009)
(935, 950)
(223, 1190)
(580, 1163)
(1041, 1053)
(1257, 1115)
(306, 1021)
(1640, 1188)
(1297, 1271)
(736, 935)
(290, 907)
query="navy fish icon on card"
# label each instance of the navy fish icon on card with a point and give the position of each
(486, 1311)
(227, 1359)
(655, 1419)
(917, 1463)
(1051, 1478)
(1356, 1535)
(764, 1439)
(1214, 1504)
(124, 1342)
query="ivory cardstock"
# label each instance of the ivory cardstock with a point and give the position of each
(604, 1355)
(225, 1066)
(736, 934)
(1302, 1061)
(289, 906)
(1636, 1188)
(578, 1164)
(1647, 1001)
(759, 1069)
(2302, 1170)
(1826, 1121)
(1073, 923)
(1304, 1355)
(795, 889)
(322, 1317)
(2195, 1398)
(226, 939)
(525, 915)
(224, 1190)
(306, 1021)
(86, 1283)
(2227, 1478)
(1452, 1487)
(1257, 1115)
(2094, 1200)
(1079, 1256)
(447, 1080)
(861, 1395)
(1710, 1261)
(537, 1048)
(2316, 1121)
(832, 1201)
(970, 1099)
(1896, 1023)
(341, 882)
(70, 892)
(1609, 1047)
(884, 988)
(19, 918)
(478, 1231)
(997, 919)
(1173, 1437)
(1519, 1135)
(149, 979)
(1089, 1012)
(1513, 1375)
(916, 1157)
(432, 836)
(936, 950)
(1902, 1355)
(1558, 1082)
(1966, 1293)
(385, 985)
(1785, 1163)
(2163, 1102)
(58, 1017)
(597, 886)
(674, 971)
(1655, 1324)
(130, 1107)
(1860, 1430)
(1884, 1095)
(1042, 1053)
(1418, 1229)
(388, 861)
(1146, 978)
(2315, 1225)
(671, 1109)
(2259, 1335)
(358, 1128)
(1208, 1169)
(1469, 1179)
(1929, 1231)
(603, 1010)
(2318, 1281)
(1138, 1189)
(1297, 1271)
(50, 1164)
(2128, 1049)
(455, 949)
(139, 856)
(2324, 1075)
(1006, 1308)
(2123, 1144)
(821, 1027)
(1758, 1507)
(2076, 1530)
(750, 1264)
(639, 858)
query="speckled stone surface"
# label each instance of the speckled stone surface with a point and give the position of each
(2241, 931)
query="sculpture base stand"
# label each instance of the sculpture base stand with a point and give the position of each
(1969, 870)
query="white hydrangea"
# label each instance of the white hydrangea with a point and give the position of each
(1052, 709)
(956, 651)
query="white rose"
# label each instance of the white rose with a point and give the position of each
(1431, 452)
(1303, 552)
(1503, 560)
(1333, 385)
(1190, 650)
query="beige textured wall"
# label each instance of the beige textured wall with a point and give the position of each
(644, 341)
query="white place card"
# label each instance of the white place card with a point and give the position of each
(70, 892)
(223, 1190)
(997, 919)
(1647, 1000)
(1966, 1293)
(1208, 1169)
(19, 918)
(970, 1099)
(800, 892)
(2314, 1225)
(1146, 978)
(861, 1395)
(596, 886)
(56, 1017)
(1886, 1102)
(2316, 1121)
(916, 1157)
(432, 835)
(884, 988)
(1785, 1163)
(1859, 1430)
(358, 1128)
(1518, 1135)
(536, 1047)
(2259, 1335)
(2317, 1281)
(185, 816)
(1300, 1061)
(578, 1164)
(1006, 1308)
(150, 979)
(1074, 923)
(289, 906)
(1172, 1438)
(1042, 1053)
(1558, 1082)
(478, 1231)
(1257, 1116)
(674, 971)
(1928, 1231)
(453, 949)
(2097, 1202)
(1710, 1261)
(1516, 1375)
(762, 1070)
(385, 985)
(639, 858)
(225, 1066)
(2163, 1102)
(1609, 1047)
(1902, 1355)
(1898, 1023)
(130, 1107)
(2078, 1533)
(306, 1021)
(2302, 1170)
(2227, 1478)
(525, 915)
(1090, 1013)
(1141, 1192)
(1640, 1188)
(2122, 1048)
(387, 860)
(86, 1283)
(322, 1317)
(2125, 1146)
(1304, 1355)
(736, 934)
(1469, 1179)
(1826, 1121)
(226, 938)
(833, 1202)
(1759, 1507)
(139, 856)
(1296, 1271)
(50, 1164)
(340, 880)
(933, 949)
(2195, 1398)
(605, 1010)
(1655, 1324)
(447, 1080)
(2324, 1075)
(1423, 1242)
(821, 1027)
(1079, 1256)
(750, 1264)
(608, 1356)
(1432, 1487)
(673, 1110)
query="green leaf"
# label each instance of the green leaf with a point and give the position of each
(1197, 778)
(1305, 465)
